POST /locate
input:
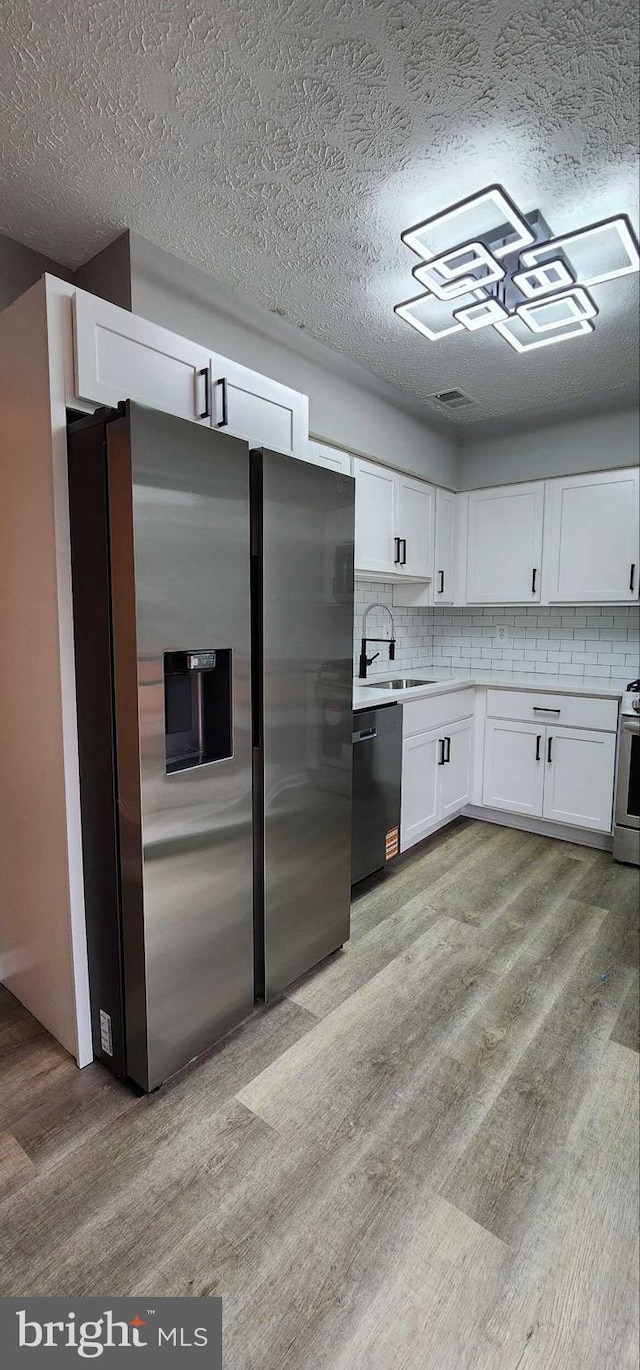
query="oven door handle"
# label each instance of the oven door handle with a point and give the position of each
(630, 725)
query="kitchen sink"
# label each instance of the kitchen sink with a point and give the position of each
(402, 683)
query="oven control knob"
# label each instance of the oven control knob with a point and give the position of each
(635, 704)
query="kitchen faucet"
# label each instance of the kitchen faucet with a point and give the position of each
(367, 660)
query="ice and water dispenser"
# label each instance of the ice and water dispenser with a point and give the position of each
(198, 708)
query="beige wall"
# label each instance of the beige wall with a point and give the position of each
(21, 267)
(36, 945)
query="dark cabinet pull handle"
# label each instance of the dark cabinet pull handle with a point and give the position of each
(224, 421)
(538, 741)
(549, 749)
(632, 576)
(404, 551)
(533, 580)
(206, 412)
(441, 585)
(441, 757)
(396, 559)
(448, 742)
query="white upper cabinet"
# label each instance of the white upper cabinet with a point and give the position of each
(394, 518)
(504, 544)
(414, 527)
(443, 563)
(375, 517)
(258, 409)
(321, 455)
(119, 356)
(591, 538)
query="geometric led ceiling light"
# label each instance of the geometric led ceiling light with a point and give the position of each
(521, 339)
(459, 271)
(475, 316)
(557, 311)
(539, 280)
(485, 265)
(479, 216)
(431, 317)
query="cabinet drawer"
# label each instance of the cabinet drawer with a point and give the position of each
(419, 715)
(572, 711)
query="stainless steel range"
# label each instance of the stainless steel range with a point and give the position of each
(626, 833)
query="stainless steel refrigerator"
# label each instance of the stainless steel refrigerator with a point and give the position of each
(213, 603)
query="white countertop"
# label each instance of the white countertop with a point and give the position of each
(444, 682)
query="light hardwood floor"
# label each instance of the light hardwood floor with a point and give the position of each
(425, 1155)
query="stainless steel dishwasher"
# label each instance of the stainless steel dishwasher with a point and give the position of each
(377, 768)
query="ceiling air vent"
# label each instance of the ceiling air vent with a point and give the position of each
(452, 399)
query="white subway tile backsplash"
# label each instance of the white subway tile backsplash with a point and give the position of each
(596, 641)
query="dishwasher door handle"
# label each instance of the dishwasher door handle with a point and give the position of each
(366, 735)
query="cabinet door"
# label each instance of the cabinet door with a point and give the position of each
(505, 544)
(514, 766)
(455, 774)
(331, 457)
(119, 356)
(443, 560)
(375, 517)
(591, 547)
(419, 809)
(578, 784)
(253, 407)
(414, 527)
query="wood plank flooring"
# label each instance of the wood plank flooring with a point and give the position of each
(424, 1155)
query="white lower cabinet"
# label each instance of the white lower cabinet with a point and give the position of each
(562, 774)
(579, 768)
(455, 776)
(420, 775)
(436, 778)
(513, 766)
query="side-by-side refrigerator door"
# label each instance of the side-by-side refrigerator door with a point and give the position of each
(307, 522)
(180, 558)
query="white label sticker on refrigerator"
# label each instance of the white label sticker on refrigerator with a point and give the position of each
(106, 1040)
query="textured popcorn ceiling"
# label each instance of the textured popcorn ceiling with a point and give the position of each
(284, 144)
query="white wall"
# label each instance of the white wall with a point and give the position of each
(596, 443)
(348, 405)
(565, 640)
(556, 639)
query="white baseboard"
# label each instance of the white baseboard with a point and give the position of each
(583, 837)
